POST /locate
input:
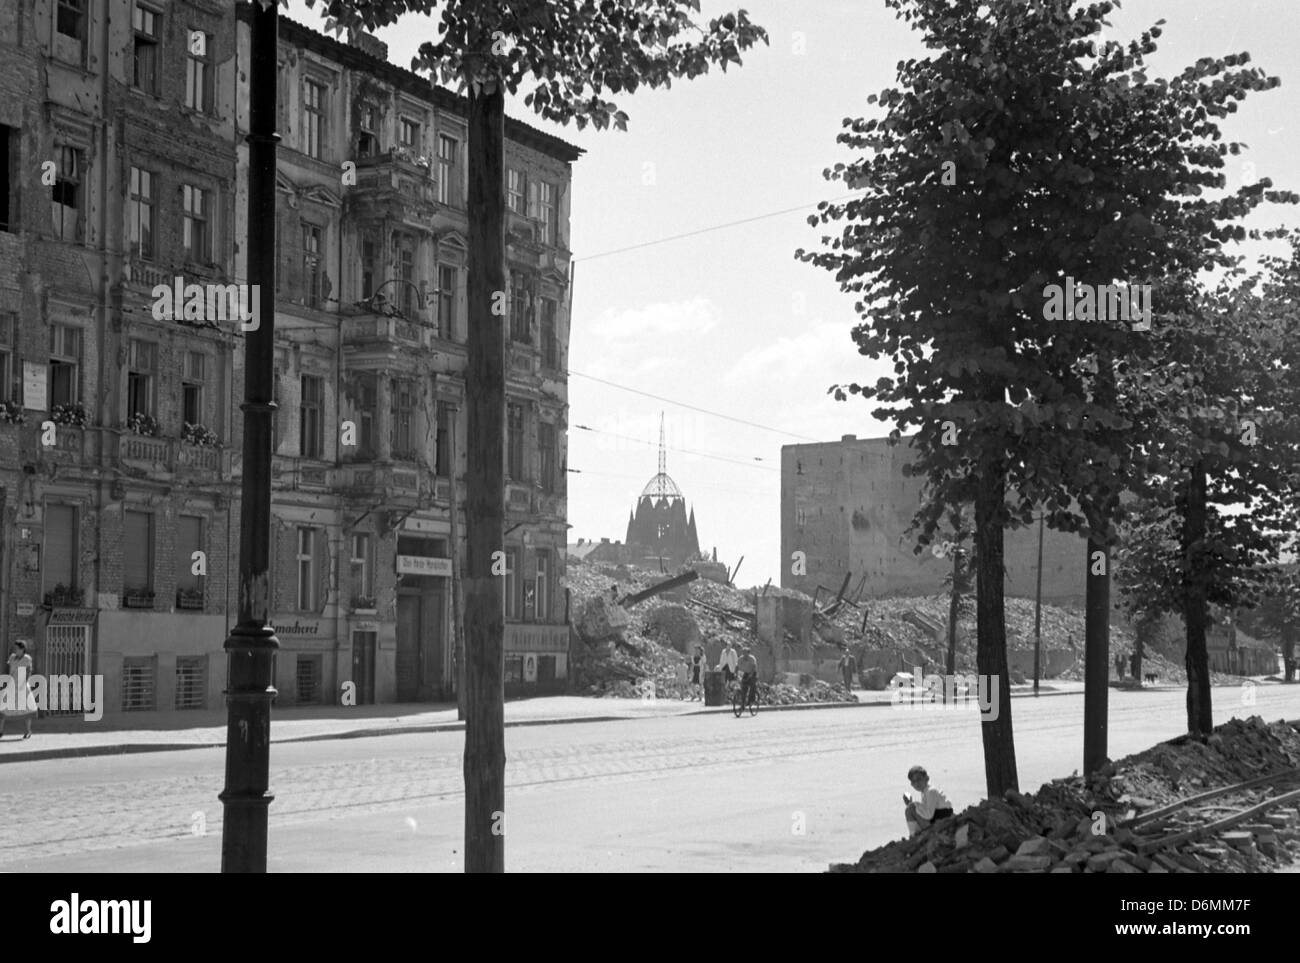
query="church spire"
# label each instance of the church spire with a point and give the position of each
(663, 452)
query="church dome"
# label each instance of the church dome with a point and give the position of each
(661, 486)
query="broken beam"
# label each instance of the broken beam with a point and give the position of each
(666, 586)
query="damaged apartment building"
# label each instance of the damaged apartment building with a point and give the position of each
(122, 127)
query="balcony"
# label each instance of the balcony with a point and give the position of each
(397, 482)
(199, 458)
(372, 329)
(393, 184)
(301, 474)
(147, 452)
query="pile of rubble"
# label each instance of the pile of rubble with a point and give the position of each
(784, 694)
(1071, 827)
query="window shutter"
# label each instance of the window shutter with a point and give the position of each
(59, 546)
(532, 199)
(320, 546)
(135, 564)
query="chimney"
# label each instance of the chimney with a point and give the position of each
(848, 438)
(604, 541)
(369, 43)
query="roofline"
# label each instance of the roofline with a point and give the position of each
(412, 83)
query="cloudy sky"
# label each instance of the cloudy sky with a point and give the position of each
(739, 337)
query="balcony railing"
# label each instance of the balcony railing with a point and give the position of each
(147, 451)
(199, 457)
(376, 328)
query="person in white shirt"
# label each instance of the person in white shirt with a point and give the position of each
(728, 663)
(926, 805)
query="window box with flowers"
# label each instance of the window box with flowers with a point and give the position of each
(11, 413)
(64, 595)
(142, 424)
(73, 415)
(189, 599)
(138, 598)
(364, 605)
(200, 436)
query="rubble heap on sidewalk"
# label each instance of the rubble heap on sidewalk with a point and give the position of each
(1070, 827)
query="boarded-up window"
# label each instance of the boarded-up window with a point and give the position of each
(189, 539)
(59, 566)
(137, 549)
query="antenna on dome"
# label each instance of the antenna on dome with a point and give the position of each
(663, 452)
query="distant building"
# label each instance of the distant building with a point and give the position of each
(846, 505)
(661, 532)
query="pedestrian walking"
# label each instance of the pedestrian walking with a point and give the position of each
(698, 665)
(20, 671)
(848, 666)
(1119, 665)
(728, 662)
(926, 805)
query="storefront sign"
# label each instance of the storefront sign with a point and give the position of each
(34, 376)
(423, 565)
(522, 637)
(299, 628)
(365, 626)
(72, 616)
(429, 525)
(26, 608)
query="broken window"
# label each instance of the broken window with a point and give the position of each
(409, 136)
(9, 168)
(141, 214)
(312, 274)
(312, 415)
(66, 196)
(550, 354)
(369, 269)
(442, 444)
(65, 365)
(406, 273)
(367, 405)
(142, 380)
(7, 362)
(447, 176)
(192, 389)
(70, 30)
(515, 442)
(515, 191)
(546, 212)
(198, 72)
(520, 307)
(145, 24)
(368, 138)
(446, 301)
(313, 119)
(403, 415)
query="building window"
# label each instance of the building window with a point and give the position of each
(66, 196)
(362, 570)
(145, 23)
(403, 415)
(442, 446)
(542, 585)
(70, 21)
(198, 72)
(195, 237)
(511, 586)
(515, 192)
(138, 674)
(367, 406)
(9, 178)
(514, 669)
(368, 138)
(312, 417)
(406, 274)
(59, 553)
(142, 380)
(313, 118)
(65, 365)
(447, 172)
(368, 269)
(189, 539)
(191, 681)
(311, 266)
(546, 212)
(307, 569)
(520, 303)
(447, 302)
(409, 136)
(192, 388)
(546, 449)
(550, 352)
(137, 553)
(141, 214)
(8, 364)
(308, 679)
(515, 442)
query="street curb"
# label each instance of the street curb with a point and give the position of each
(132, 747)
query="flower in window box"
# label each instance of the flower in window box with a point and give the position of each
(142, 424)
(11, 413)
(138, 598)
(73, 415)
(189, 598)
(199, 435)
(65, 595)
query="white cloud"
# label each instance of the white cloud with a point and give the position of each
(822, 348)
(634, 326)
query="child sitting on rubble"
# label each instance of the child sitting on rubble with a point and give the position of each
(926, 805)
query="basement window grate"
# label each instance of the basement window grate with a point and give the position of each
(138, 676)
(191, 682)
(309, 678)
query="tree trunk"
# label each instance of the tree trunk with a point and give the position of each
(485, 756)
(991, 652)
(457, 583)
(1200, 718)
(1288, 650)
(1139, 647)
(950, 664)
(1096, 647)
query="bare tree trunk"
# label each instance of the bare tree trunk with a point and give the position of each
(485, 756)
(457, 584)
(1200, 718)
(1096, 647)
(991, 653)
(1288, 651)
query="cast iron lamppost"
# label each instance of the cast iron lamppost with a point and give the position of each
(251, 646)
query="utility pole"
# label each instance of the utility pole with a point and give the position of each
(251, 645)
(1038, 606)
(457, 592)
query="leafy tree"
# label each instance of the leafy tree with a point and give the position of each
(1020, 154)
(566, 54)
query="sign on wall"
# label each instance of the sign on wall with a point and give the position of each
(34, 378)
(423, 565)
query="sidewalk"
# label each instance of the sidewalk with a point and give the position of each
(62, 737)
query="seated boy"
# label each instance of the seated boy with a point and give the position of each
(926, 805)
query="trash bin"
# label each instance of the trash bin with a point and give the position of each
(715, 689)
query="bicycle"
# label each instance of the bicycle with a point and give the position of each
(738, 701)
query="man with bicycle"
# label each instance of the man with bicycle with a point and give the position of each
(748, 669)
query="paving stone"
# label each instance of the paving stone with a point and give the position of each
(1027, 864)
(1122, 866)
(1034, 846)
